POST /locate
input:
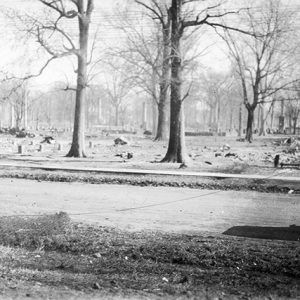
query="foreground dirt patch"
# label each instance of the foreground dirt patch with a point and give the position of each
(79, 261)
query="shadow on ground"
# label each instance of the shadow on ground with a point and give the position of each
(291, 233)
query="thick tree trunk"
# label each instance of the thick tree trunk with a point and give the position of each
(176, 150)
(161, 133)
(78, 141)
(174, 153)
(249, 130)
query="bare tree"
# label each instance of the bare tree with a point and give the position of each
(52, 35)
(148, 51)
(15, 93)
(181, 21)
(292, 107)
(261, 59)
(117, 88)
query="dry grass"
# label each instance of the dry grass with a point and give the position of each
(146, 264)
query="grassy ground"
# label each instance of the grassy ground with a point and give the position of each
(270, 185)
(48, 256)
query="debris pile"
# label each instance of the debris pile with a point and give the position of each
(120, 141)
(48, 140)
(125, 155)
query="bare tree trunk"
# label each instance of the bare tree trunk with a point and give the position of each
(249, 130)
(99, 110)
(210, 122)
(218, 112)
(295, 125)
(78, 142)
(240, 120)
(117, 115)
(176, 150)
(25, 110)
(12, 116)
(154, 117)
(161, 133)
(145, 116)
(272, 114)
(231, 117)
(290, 123)
(262, 129)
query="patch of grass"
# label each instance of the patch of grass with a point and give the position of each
(33, 232)
(267, 186)
(151, 264)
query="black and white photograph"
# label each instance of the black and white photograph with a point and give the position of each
(150, 149)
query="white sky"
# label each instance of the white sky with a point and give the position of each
(16, 55)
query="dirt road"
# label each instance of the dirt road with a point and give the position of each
(138, 208)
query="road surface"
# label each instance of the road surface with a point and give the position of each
(149, 208)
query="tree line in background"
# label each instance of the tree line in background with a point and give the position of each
(154, 77)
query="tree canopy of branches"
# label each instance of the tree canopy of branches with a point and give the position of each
(53, 36)
(147, 50)
(181, 19)
(261, 59)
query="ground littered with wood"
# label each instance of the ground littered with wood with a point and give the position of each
(207, 154)
(51, 257)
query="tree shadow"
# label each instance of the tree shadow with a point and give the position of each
(291, 233)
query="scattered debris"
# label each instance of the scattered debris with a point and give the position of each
(291, 192)
(97, 255)
(21, 134)
(240, 140)
(127, 155)
(294, 147)
(208, 162)
(48, 140)
(24, 134)
(229, 154)
(290, 165)
(218, 154)
(91, 144)
(192, 155)
(165, 279)
(121, 141)
(96, 286)
(288, 141)
(225, 147)
(183, 166)
(147, 132)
